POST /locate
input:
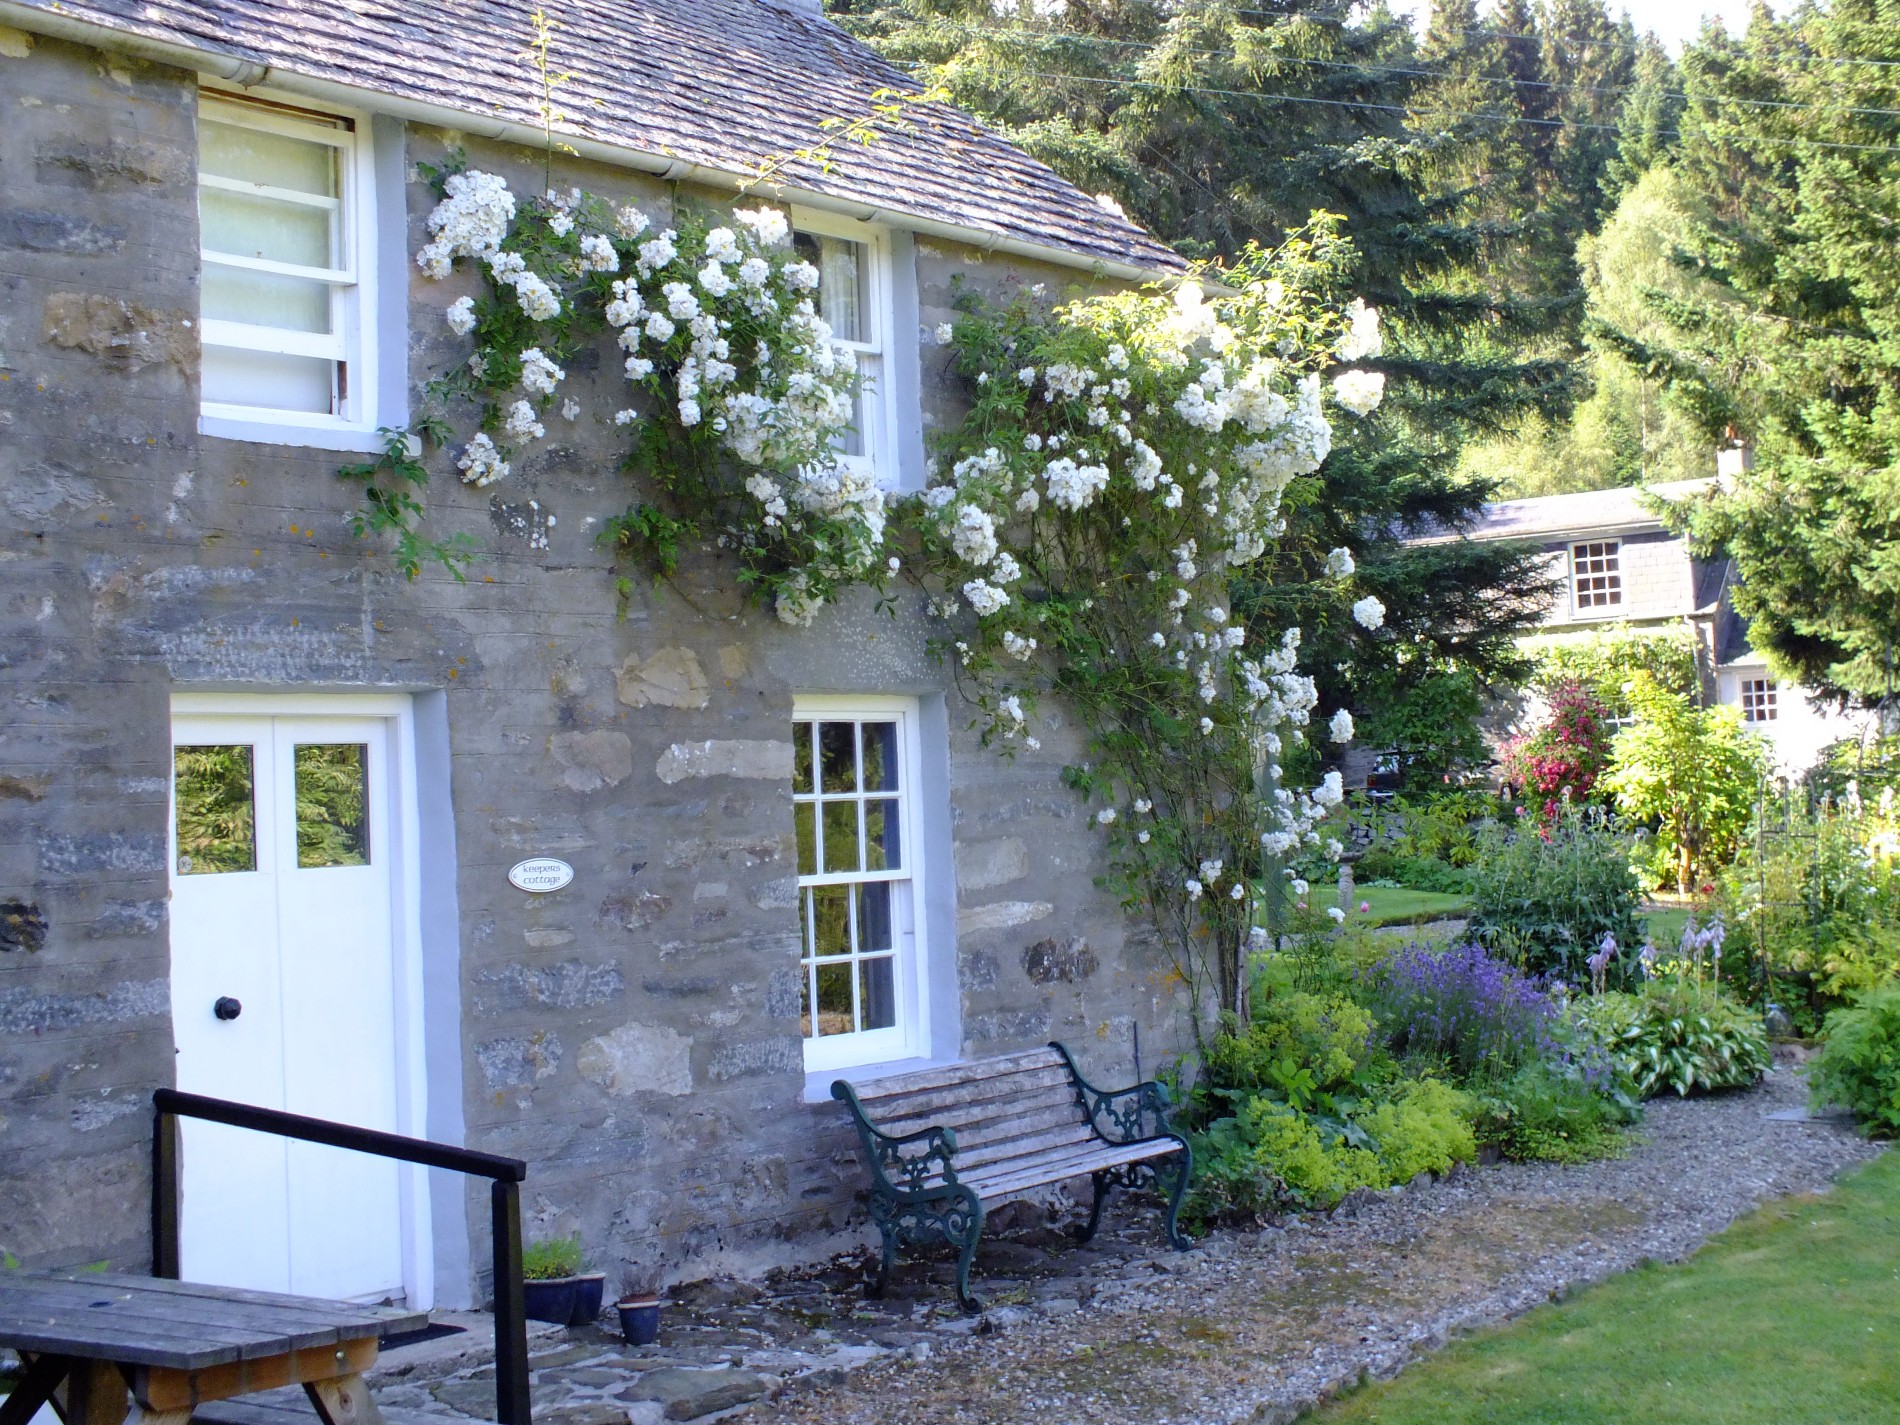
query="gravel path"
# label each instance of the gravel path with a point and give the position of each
(1257, 1327)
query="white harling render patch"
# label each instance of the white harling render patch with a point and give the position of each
(984, 864)
(671, 678)
(1001, 915)
(761, 760)
(638, 1058)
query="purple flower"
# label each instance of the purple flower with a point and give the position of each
(1461, 1004)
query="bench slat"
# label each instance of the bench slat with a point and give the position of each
(970, 1117)
(1023, 1145)
(1027, 1125)
(935, 1105)
(952, 1075)
(1014, 1176)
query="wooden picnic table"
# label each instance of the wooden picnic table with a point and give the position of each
(106, 1349)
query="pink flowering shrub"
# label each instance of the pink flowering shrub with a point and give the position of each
(1565, 757)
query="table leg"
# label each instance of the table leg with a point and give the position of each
(94, 1394)
(343, 1401)
(44, 1374)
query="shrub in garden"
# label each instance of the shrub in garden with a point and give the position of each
(1677, 1034)
(1561, 1110)
(1859, 1063)
(1548, 895)
(1692, 771)
(1562, 759)
(1459, 1005)
(1816, 898)
(1417, 873)
(1424, 1129)
(1299, 1044)
(1269, 1156)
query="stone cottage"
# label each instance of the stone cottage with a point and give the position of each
(508, 862)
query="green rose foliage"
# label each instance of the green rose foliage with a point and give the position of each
(1123, 456)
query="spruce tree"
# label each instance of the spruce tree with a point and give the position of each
(1217, 125)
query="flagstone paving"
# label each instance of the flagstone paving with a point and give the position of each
(1250, 1326)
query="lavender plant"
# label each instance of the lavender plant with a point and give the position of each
(1462, 1005)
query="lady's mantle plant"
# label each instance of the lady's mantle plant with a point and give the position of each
(1124, 455)
(736, 398)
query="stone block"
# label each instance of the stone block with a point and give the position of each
(592, 760)
(638, 1058)
(764, 760)
(671, 678)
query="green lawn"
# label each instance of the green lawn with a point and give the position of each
(1788, 1318)
(1665, 925)
(1399, 906)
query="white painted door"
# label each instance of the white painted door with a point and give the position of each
(283, 995)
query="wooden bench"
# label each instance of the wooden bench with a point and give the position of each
(945, 1145)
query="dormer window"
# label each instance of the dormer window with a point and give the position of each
(855, 299)
(1596, 574)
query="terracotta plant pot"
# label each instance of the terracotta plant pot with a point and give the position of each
(639, 1319)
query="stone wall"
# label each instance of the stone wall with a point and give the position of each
(633, 1036)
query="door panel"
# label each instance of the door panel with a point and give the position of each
(334, 917)
(234, 1224)
(304, 943)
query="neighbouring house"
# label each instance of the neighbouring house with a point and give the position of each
(508, 862)
(1614, 564)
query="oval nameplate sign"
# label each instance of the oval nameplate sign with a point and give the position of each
(540, 875)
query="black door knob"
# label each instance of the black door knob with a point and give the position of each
(227, 1008)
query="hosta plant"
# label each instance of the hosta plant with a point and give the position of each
(1674, 1034)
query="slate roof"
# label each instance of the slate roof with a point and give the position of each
(1552, 517)
(721, 83)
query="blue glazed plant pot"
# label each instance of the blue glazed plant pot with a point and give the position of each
(551, 1300)
(587, 1292)
(639, 1320)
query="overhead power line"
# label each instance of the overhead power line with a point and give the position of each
(1573, 41)
(1412, 71)
(1369, 104)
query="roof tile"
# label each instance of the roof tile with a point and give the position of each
(722, 83)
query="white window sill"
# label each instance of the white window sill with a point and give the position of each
(818, 1083)
(265, 431)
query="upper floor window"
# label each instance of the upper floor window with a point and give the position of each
(855, 299)
(854, 799)
(1758, 700)
(285, 213)
(1596, 574)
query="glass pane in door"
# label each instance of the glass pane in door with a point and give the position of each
(332, 801)
(215, 809)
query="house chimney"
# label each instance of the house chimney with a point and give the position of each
(1734, 457)
(813, 8)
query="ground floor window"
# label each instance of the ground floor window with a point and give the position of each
(854, 783)
(1758, 700)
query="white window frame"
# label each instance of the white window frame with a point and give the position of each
(909, 1038)
(354, 302)
(877, 309)
(1587, 603)
(1759, 701)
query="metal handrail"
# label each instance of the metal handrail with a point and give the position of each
(512, 1405)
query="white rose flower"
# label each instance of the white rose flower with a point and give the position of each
(461, 316)
(521, 423)
(481, 464)
(1105, 817)
(1368, 613)
(1339, 563)
(1193, 889)
(1338, 915)
(1341, 726)
(1359, 391)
